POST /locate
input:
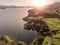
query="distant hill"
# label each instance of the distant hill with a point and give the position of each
(14, 6)
(55, 10)
(56, 5)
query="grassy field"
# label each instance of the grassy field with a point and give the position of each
(54, 24)
(56, 40)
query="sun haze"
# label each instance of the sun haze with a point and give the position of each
(40, 2)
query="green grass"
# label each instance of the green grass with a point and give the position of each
(55, 41)
(54, 24)
(6, 40)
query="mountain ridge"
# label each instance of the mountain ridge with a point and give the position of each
(55, 5)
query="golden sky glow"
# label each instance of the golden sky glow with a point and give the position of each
(25, 2)
(39, 2)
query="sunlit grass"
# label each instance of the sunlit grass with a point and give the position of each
(53, 23)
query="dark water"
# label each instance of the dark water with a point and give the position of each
(11, 24)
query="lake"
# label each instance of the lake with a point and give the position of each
(11, 24)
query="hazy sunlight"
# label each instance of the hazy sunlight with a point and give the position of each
(39, 2)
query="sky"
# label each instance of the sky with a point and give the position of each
(21, 2)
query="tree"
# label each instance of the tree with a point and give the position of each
(36, 23)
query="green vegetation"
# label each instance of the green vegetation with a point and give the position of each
(56, 40)
(45, 27)
(53, 23)
(46, 24)
(6, 40)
